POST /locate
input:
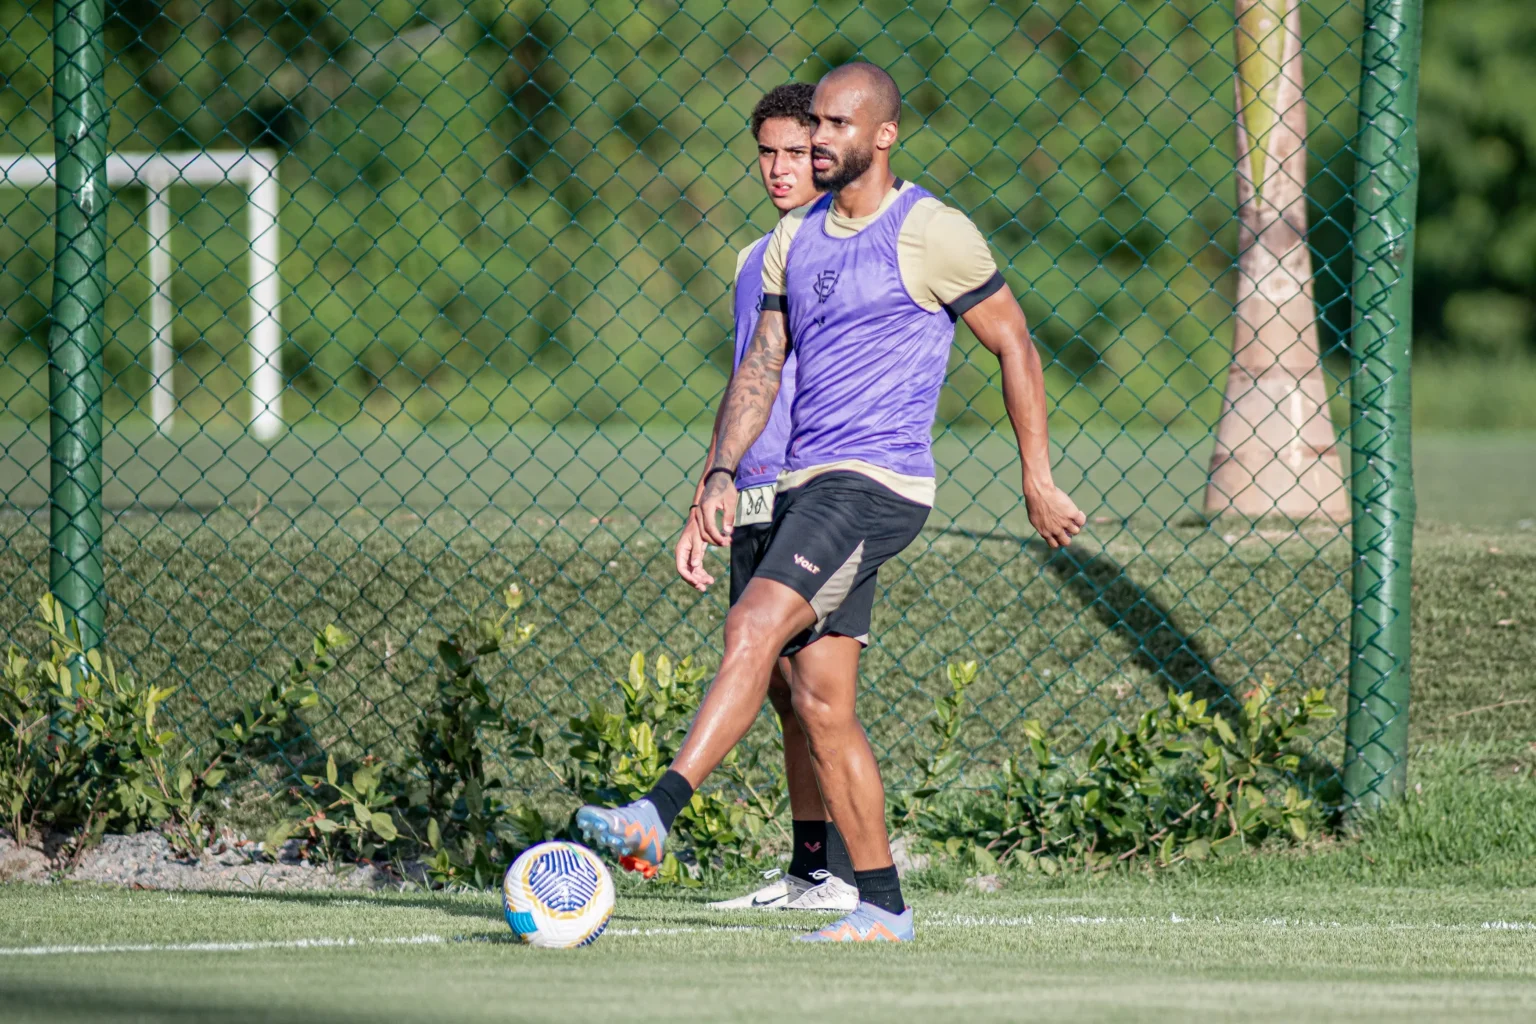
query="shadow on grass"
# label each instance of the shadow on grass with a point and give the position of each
(52, 1002)
(1171, 656)
(454, 905)
(482, 906)
(1105, 589)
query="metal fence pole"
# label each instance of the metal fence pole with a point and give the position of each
(1376, 765)
(266, 330)
(79, 289)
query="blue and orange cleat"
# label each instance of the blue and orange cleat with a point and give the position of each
(867, 923)
(632, 832)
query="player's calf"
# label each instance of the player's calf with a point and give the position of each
(824, 691)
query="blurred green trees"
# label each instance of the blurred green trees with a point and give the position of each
(1475, 281)
(528, 212)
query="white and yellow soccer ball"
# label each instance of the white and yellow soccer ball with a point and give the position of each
(557, 896)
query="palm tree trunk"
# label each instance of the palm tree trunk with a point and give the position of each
(1275, 452)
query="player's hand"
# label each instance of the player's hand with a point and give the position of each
(1053, 515)
(717, 509)
(690, 554)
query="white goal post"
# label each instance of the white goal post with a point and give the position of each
(254, 169)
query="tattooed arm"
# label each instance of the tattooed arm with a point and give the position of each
(744, 413)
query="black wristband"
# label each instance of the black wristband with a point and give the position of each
(718, 469)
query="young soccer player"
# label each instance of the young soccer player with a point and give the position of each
(819, 875)
(868, 281)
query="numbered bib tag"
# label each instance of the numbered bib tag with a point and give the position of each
(755, 505)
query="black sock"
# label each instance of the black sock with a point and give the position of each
(669, 796)
(837, 855)
(810, 853)
(882, 887)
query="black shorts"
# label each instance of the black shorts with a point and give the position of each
(827, 542)
(749, 538)
(748, 546)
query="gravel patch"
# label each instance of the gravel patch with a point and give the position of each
(148, 861)
(21, 863)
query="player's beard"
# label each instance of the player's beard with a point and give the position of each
(844, 172)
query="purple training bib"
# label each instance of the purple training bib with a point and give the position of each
(871, 360)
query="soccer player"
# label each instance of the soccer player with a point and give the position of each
(819, 874)
(868, 281)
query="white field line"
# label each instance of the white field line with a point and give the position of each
(689, 931)
(944, 919)
(322, 943)
(939, 919)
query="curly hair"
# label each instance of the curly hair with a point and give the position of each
(792, 100)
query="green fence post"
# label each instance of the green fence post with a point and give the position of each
(1376, 759)
(79, 290)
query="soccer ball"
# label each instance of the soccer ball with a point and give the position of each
(557, 896)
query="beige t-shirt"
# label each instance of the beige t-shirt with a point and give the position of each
(942, 255)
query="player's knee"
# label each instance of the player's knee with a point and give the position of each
(816, 712)
(743, 627)
(750, 632)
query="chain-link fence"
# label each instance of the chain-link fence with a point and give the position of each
(405, 302)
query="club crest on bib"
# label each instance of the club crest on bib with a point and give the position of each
(825, 284)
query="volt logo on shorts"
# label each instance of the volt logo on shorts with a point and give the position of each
(808, 565)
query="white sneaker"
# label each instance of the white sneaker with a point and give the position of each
(779, 892)
(832, 894)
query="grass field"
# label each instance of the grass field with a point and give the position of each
(1131, 951)
(1474, 479)
(1429, 915)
